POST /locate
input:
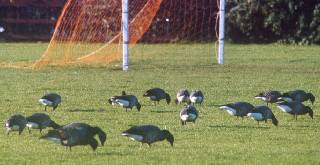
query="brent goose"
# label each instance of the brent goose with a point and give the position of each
(196, 97)
(269, 96)
(126, 101)
(297, 95)
(16, 122)
(51, 100)
(148, 134)
(76, 134)
(188, 114)
(182, 96)
(295, 108)
(157, 94)
(263, 113)
(238, 108)
(40, 121)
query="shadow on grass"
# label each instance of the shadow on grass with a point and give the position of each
(239, 126)
(162, 111)
(86, 110)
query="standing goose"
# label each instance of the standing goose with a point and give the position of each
(157, 94)
(76, 134)
(295, 108)
(40, 121)
(182, 96)
(238, 108)
(297, 95)
(196, 97)
(148, 134)
(16, 123)
(188, 114)
(126, 101)
(269, 96)
(261, 113)
(51, 100)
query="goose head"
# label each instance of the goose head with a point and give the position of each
(310, 111)
(311, 97)
(169, 137)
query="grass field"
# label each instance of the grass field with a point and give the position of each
(216, 138)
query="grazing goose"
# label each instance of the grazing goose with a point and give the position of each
(269, 96)
(182, 96)
(196, 97)
(260, 113)
(188, 114)
(148, 134)
(40, 121)
(297, 95)
(16, 123)
(76, 134)
(51, 100)
(157, 94)
(238, 108)
(295, 108)
(126, 101)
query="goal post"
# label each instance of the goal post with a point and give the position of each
(221, 32)
(125, 35)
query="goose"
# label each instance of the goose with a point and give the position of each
(188, 114)
(295, 108)
(40, 121)
(196, 97)
(157, 94)
(182, 96)
(51, 100)
(297, 95)
(238, 108)
(76, 134)
(148, 134)
(16, 122)
(126, 101)
(260, 113)
(269, 96)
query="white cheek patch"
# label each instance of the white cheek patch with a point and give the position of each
(32, 125)
(230, 110)
(123, 103)
(45, 102)
(7, 124)
(256, 116)
(284, 108)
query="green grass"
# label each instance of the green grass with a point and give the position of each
(216, 138)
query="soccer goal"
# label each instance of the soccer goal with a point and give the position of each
(114, 31)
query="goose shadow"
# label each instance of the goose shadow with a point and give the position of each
(239, 126)
(162, 111)
(86, 110)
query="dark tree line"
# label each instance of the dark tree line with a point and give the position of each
(289, 21)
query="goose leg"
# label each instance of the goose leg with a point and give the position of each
(45, 108)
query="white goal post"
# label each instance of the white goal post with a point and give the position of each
(125, 33)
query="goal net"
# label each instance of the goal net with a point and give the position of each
(89, 31)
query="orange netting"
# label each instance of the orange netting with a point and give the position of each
(89, 31)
